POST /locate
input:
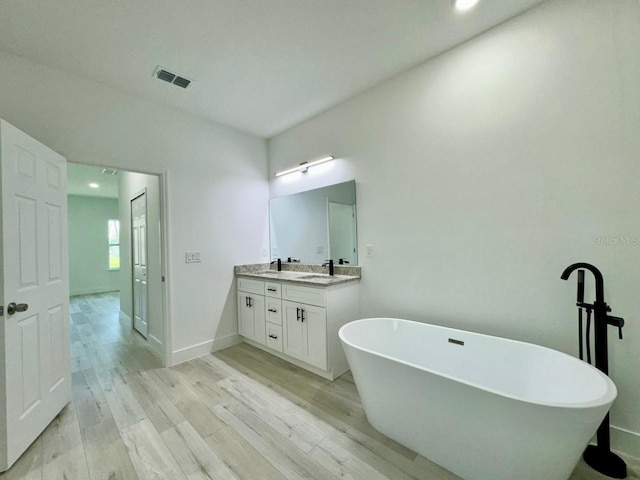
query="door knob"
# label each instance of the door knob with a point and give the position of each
(20, 307)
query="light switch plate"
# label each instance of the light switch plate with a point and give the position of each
(193, 257)
(369, 250)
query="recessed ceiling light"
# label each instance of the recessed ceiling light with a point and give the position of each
(464, 5)
(94, 185)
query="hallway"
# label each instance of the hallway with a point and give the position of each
(100, 340)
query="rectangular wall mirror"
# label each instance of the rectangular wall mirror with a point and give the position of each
(315, 225)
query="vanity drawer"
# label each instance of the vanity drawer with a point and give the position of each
(274, 337)
(308, 295)
(273, 290)
(250, 286)
(274, 310)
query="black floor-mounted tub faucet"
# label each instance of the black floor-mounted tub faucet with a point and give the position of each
(599, 457)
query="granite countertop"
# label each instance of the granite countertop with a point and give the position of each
(311, 275)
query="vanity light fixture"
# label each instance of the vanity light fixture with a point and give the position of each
(304, 166)
(464, 5)
(94, 185)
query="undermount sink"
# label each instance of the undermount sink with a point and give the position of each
(282, 274)
(292, 275)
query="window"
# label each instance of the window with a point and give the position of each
(114, 244)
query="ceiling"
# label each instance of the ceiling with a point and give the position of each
(261, 66)
(80, 176)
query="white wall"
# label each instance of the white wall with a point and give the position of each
(88, 245)
(486, 171)
(131, 185)
(217, 189)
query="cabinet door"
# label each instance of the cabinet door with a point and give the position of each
(315, 335)
(245, 316)
(292, 331)
(258, 312)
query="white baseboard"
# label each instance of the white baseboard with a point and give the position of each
(204, 348)
(625, 441)
(155, 344)
(126, 318)
(92, 291)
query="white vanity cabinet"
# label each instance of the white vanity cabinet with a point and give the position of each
(300, 321)
(251, 310)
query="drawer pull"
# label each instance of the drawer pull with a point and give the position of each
(275, 337)
(273, 310)
(272, 289)
(298, 313)
(302, 314)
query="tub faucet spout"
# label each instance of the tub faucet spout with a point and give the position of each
(596, 274)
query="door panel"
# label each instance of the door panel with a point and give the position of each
(29, 377)
(315, 336)
(36, 366)
(259, 318)
(245, 317)
(54, 237)
(292, 332)
(27, 228)
(56, 357)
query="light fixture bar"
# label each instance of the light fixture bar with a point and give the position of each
(304, 166)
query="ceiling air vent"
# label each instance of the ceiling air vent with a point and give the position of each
(181, 82)
(170, 77)
(109, 171)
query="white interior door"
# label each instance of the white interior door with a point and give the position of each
(139, 249)
(35, 369)
(342, 238)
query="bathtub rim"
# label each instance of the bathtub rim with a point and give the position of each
(608, 397)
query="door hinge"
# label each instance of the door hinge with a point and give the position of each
(163, 278)
(1, 310)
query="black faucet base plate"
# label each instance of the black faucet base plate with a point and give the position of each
(605, 462)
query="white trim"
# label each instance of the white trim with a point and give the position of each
(92, 291)
(127, 318)
(155, 344)
(204, 348)
(625, 441)
(164, 252)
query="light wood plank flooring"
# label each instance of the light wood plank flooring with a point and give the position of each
(237, 414)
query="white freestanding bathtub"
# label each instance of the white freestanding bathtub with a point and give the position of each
(483, 407)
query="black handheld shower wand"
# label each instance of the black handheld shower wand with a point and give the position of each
(599, 457)
(580, 300)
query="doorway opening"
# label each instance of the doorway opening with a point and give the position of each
(116, 270)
